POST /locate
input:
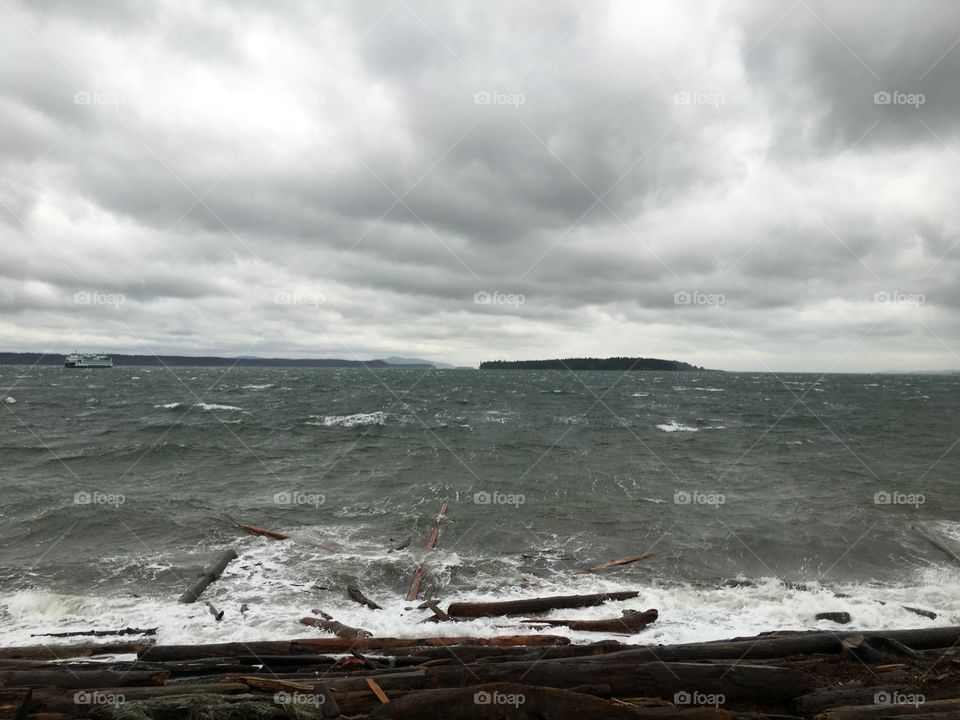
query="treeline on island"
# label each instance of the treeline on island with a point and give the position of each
(27, 358)
(614, 363)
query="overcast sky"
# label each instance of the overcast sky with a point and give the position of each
(756, 185)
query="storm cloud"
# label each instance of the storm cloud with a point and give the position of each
(764, 186)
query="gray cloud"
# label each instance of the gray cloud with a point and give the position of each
(396, 158)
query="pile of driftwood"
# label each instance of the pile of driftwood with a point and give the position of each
(889, 674)
(352, 674)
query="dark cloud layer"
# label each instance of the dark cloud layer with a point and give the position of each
(745, 185)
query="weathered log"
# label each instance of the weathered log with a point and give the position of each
(841, 618)
(378, 691)
(438, 613)
(906, 707)
(919, 611)
(358, 597)
(310, 647)
(15, 703)
(208, 576)
(534, 605)
(519, 702)
(79, 679)
(415, 583)
(825, 698)
(420, 572)
(404, 544)
(435, 535)
(217, 614)
(263, 532)
(54, 652)
(632, 621)
(735, 680)
(98, 633)
(613, 563)
(325, 622)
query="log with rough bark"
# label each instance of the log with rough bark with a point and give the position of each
(325, 622)
(534, 605)
(920, 611)
(313, 646)
(358, 597)
(735, 680)
(14, 704)
(613, 563)
(437, 612)
(519, 702)
(64, 678)
(921, 708)
(632, 621)
(209, 575)
(55, 652)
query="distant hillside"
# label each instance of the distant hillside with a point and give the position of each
(622, 364)
(210, 361)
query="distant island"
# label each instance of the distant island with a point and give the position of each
(21, 358)
(615, 363)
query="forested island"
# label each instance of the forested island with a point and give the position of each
(614, 363)
(28, 358)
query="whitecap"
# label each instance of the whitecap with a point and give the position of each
(206, 407)
(169, 406)
(10, 400)
(674, 426)
(374, 418)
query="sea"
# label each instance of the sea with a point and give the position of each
(765, 498)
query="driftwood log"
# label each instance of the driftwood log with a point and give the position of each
(325, 622)
(534, 605)
(420, 572)
(358, 597)
(208, 576)
(263, 532)
(613, 563)
(632, 621)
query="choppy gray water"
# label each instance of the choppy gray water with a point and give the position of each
(114, 482)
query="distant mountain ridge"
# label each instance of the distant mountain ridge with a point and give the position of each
(10, 358)
(614, 363)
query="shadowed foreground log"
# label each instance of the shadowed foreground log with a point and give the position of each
(632, 621)
(534, 605)
(15, 703)
(54, 652)
(514, 702)
(209, 575)
(926, 709)
(63, 678)
(311, 646)
(761, 683)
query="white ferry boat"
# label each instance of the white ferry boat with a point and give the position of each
(77, 360)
